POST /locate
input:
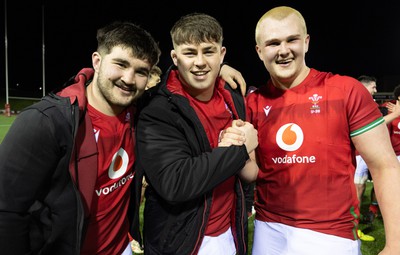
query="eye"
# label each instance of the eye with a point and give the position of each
(120, 64)
(209, 52)
(272, 43)
(189, 54)
(142, 74)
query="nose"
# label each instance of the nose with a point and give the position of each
(199, 60)
(128, 77)
(283, 48)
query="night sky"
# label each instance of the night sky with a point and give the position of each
(347, 37)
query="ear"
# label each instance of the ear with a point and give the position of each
(174, 57)
(223, 52)
(96, 60)
(307, 43)
(258, 52)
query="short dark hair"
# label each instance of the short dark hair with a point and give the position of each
(196, 28)
(129, 35)
(366, 78)
(396, 92)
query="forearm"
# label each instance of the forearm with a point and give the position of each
(249, 172)
(390, 117)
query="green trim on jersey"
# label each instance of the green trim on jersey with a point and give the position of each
(370, 126)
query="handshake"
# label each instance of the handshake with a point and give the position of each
(241, 132)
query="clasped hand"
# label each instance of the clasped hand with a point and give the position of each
(241, 132)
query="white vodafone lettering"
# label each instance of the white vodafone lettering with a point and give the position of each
(294, 159)
(115, 186)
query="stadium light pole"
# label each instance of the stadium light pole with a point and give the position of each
(6, 48)
(43, 55)
(7, 106)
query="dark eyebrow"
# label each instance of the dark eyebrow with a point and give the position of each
(143, 70)
(121, 60)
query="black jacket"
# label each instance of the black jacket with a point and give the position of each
(174, 153)
(48, 171)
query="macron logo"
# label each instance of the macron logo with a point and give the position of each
(267, 109)
(96, 134)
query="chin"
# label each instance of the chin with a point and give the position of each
(124, 102)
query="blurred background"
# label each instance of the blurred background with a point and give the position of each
(49, 41)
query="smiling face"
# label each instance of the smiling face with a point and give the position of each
(198, 53)
(282, 42)
(119, 80)
(198, 66)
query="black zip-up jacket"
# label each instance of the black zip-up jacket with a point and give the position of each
(174, 153)
(48, 171)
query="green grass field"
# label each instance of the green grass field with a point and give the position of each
(5, 123)
(367, 248)
(16, 106)
(376, 229)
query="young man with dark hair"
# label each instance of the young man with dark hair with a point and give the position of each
(194, 201)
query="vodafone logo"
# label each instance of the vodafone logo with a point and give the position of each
(289, 137)
(118, 167)
(119, 164)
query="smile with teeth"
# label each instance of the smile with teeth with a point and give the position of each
(285, 61)
(200, 73)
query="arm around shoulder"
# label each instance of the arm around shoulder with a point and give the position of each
(233, 77)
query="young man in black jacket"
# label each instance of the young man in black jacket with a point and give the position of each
(194, 201)
(66, 164)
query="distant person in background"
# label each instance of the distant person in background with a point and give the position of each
(309, 124)
(392, 118)
(369, 83)
(155, 77)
